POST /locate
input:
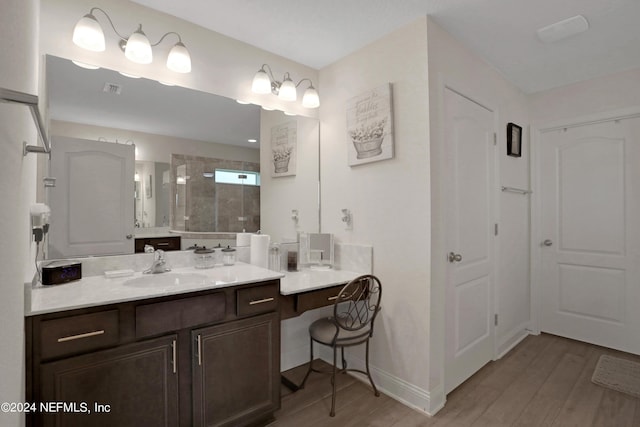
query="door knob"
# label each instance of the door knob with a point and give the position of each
(454, 257)
(547, 242)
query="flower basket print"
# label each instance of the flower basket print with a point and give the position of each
(281, 157)
(370, 126)
(367, 139)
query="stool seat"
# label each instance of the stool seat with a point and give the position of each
(324, 331)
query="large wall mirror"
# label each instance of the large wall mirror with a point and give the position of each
(176, 133)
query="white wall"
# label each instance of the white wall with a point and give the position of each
(220, 65)
(454, 65)
(155, 148)
(389, 200)
(614, 92)
(18, 71)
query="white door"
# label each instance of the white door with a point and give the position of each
(92, 203)
(590, 183)
(469, 304)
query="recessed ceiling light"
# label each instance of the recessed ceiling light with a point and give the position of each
(252, 140)
(563, 29)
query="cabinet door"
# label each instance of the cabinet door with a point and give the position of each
(236, 372)
(137, 385)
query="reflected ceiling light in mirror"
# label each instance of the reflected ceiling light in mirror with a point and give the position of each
(131, 76)
(286, 90)
(85, 65)
(88, 35)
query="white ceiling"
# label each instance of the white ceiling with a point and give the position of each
(503, 32)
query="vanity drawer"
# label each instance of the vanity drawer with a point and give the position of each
(317, 299)
(257, 299)
(183, 313)
(165, 243)
(79, 334)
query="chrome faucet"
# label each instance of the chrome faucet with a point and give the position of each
(159, 263)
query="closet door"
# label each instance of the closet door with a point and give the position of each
(469, 325)
(92, 204)
(590, 183)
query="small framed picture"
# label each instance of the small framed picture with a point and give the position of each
(514, 140)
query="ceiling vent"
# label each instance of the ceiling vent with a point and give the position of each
(563, 29)
(116, 89)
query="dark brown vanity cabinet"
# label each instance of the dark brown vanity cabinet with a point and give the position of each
(131, 385)
(210, 358)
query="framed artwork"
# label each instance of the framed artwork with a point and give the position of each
(370, 126)
(284, 147)
(514, 140)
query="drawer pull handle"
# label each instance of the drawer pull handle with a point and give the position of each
(261, 301)
(80, 336)
(333, 298)
(162, 244)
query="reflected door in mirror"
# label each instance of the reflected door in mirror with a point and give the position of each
(88, 217)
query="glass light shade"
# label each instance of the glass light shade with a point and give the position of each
(261, 82)
(138, 48)
(310, 99)
(88, 34)
(179, 59)
(287, 91)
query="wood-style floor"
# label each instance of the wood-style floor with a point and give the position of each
(544, 381)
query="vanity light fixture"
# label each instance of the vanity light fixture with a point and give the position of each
(286, 90)
(88, 35)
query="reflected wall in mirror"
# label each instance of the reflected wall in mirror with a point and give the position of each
(152, 194)
(214, 194)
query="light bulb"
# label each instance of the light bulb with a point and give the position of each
(138, 48)
(88, 34)
(261, 82)
(179, 59)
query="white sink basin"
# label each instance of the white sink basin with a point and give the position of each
(163, 280)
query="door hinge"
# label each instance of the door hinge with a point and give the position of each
(495, 138)
(495, 319)
(495, 229)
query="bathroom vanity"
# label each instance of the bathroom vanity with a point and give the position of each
(202, 352)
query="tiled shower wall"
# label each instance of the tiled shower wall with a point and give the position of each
(201, 205)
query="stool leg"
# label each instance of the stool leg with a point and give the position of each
(375, 390)
(344, 362)
(333, 380)
(304, 380)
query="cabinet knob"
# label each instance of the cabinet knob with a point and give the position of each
(129, 236)
(547, 242)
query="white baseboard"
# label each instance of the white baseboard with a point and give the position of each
(398, 389)
(516, 336)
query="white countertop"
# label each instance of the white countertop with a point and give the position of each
(99, 290)
(309, 280)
